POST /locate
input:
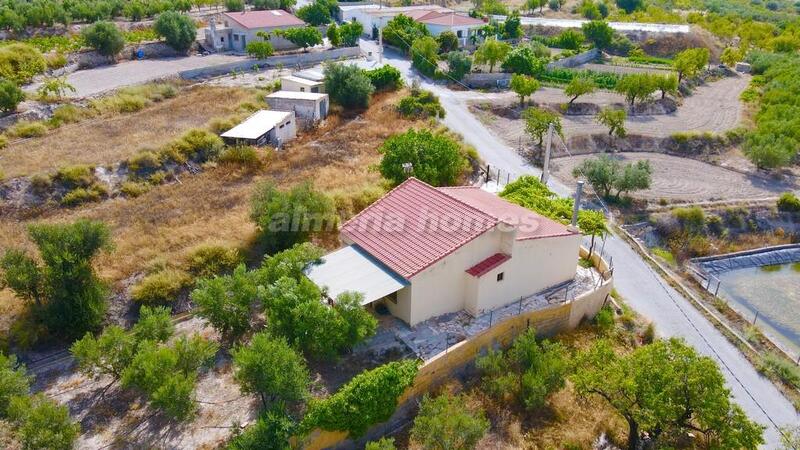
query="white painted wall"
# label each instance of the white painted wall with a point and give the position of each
(287, 84)
(306, 109)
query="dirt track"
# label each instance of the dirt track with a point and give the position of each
(714, 107)
(676, 178)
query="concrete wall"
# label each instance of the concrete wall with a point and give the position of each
(547, 322)
(299, 59)
(577, 60)
(288, 84)
(306, 109)
(487, 80)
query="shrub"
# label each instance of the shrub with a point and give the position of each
(10, 96)
(316, 13)
(381, 444)
(420, 104)
(104, 37)
(244, 156)
(425, 54)
(524, 60)
(43, 423)
(604, 320)
(402, 31)
(386, 78)
(144, 162)
(220, 125)
(79, 196)
(208, 260)
(785, 370)
(177, 29)
(3, 141)
(74, 176)
(55, 60)
(69, 114)
(24, 129)
(367, 399)
(350, 32)
(347, 85)
(692, 219)
(272, 431)
(436, 159)
(133, 188)
(234, 5)
(120, 103)
(41, 183)
(196, 145)
(285, 218)
(788, 202)
(21, 62)
(259, 50)
(458, 65)
(447, 422)
(161, 287)
(14, 381)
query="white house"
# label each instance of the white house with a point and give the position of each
(298, 84)
(239, 28)
(306, 105)
(425, 251)
(262, 128)
(436, 19)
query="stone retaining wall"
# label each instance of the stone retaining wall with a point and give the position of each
(577, 60)
(458, 358)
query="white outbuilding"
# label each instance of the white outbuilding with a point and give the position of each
(298, 84)
(306, 105)
(262, 128)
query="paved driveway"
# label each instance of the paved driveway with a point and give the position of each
(644, 290)
(106, 78)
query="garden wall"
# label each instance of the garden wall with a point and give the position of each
(547, 322)
(577, 60)
(297, 59)
(487, 80)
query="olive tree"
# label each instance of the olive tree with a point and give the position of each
(435, 158)
(225, 301)
(537, 121)
(179, 30)
(348, 85)
(104, 37)
(523, 86)
(607, 174)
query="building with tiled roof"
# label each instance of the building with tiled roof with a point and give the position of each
(426, 251)
(232, 31)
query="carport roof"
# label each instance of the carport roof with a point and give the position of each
(257, 124)
(353, 269)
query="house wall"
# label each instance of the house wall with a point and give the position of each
(305, 109)
(535, 265)
(402, 309)
(466, 31)
(285, 131)
(440, 289)
(250, 35)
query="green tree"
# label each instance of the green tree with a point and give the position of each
(636, 85)
(537, 121)
(288, 263)
(523, 86)
(234, 5)
(435, 158)
(272, 431)
(446, 422)
(55, 87)
(614, 119)
(448, 42)
(66, 293)
(21, 62)
(10, 96)
(570, 39)
(580, 86)
(270, 368)
(259, 49)
(104, 37)
(598, 33)
(334, 36)
(630, 5)
(225, 301)
(402, 31)
(303, 37)
(316, 13)
(491, 52)
(590, 10)
(350, 32)
(592, 223)
(607, 174)
(770, 151)
(512, 27)
(381, 444)
(666, 388)
(42, 423)
(425, 54)
(286, 218)
(690, 62)
(667, 84)
(730, 56)
(526, 60)
(347, 85)
(458, 65)
(367, 399)
(14, 382)
(178, 30)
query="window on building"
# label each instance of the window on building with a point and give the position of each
(302, 89)
(235, 37)
(500, 276)
(460, 33)
(221, 39)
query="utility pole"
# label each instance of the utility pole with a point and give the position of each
(577, 207)
(380, 46)
(546, 165)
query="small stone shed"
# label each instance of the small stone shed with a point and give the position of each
(262, 128)
(297, 84)
(306, 105)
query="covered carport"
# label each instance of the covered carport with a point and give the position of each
(352, 269)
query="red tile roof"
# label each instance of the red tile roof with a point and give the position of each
(483, 267)
(264, 19)
(529, 224)
(414, 226)
(448, 19)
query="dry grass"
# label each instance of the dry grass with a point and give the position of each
(114, 138)
(163, 224)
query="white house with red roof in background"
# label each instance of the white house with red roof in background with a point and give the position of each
(232, 31)
(425, 251)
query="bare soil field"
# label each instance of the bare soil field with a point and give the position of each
(714, 107)
(683, 179)
(112, 139)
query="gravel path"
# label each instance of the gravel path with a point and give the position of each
(697, 181)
